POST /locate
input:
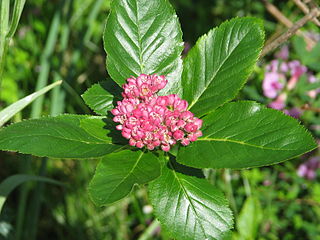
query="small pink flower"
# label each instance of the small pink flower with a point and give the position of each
(297, 69)
(272, 84)
(147, 119)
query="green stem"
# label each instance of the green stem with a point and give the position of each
(4, 25)
(45, 64)
(24, 190)
(36, 204)
(137, 208)
(227, 178)
(7, 33)
(149, 232)
(246, 184)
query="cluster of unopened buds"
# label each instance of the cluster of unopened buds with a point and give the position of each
(151, 121)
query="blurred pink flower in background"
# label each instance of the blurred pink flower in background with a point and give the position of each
(313, 93)
(296, 68)
(293, 112)
(308, 169)
(283, 53)
(273, 66)
(279, 103)
(272, 84)
(281, 77)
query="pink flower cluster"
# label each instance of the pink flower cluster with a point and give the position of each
(147, 119)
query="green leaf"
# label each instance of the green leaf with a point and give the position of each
(309, 58)
(17, 11)
(101, 96)
(246, 134)
(10, 183)
(103, 128)
(16, 107)
(143, 36)
(189, 207)
(250, 219)
(57, 137)
(219, 64)
(118, 172)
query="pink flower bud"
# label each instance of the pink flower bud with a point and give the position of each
(198, 133)
(181, 123)
(192, 137)
(115, 111)
(171, 99)
(185, 141)
(126, 135)
(150, 146)
(139, 144)
(198, 122)
(165, 148)
(191, 127)
(178, 135)
(156, 143)
(186, 115)
(132, 142)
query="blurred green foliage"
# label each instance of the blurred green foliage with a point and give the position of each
(269, 203)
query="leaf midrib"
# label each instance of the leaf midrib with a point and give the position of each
(139, 38)
(188, 197)
(243, 143)
(216, 72)
(127, 176)
(58, 137)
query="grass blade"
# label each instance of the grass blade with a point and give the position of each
(10, 183)
(16, 107)
(4, 24)
(17, 11)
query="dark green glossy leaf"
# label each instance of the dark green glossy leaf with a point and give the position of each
(58, 137)
(189, 207)
(98, 99)
(143, 36)
(96, 126)
(104, 129)
(101, 96)
(246, 134)
(219, 64)
(118, 172)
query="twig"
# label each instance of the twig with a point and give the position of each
(306, 10)
(307, 107)
(291, 31)
(274, 11)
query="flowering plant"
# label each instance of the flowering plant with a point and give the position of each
(171, 119)
(283, 76)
